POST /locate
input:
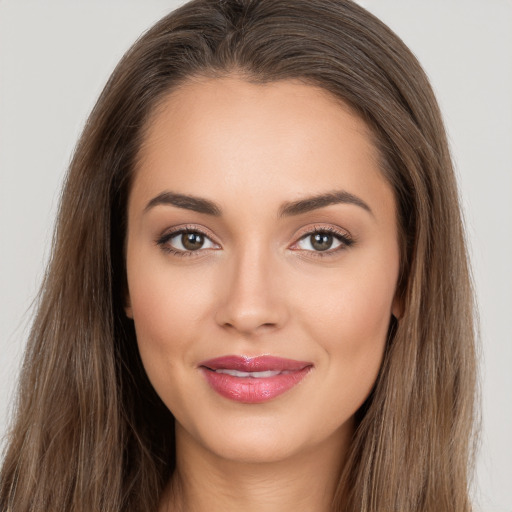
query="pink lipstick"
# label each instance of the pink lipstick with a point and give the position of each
(253, 380)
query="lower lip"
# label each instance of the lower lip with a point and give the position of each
(252, 390)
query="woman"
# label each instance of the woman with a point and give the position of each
(258, 295)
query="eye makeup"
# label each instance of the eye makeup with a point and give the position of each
(318, 236)
(186, 236)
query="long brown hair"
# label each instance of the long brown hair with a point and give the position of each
(90, 433)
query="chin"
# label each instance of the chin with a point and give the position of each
(255, 447)
(269, 438)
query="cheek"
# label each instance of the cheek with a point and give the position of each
(361, 324)
(169, 306)
(350, 309)
(161, 309)
(350, 321)
(165, 311)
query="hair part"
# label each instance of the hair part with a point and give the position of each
(90, 432)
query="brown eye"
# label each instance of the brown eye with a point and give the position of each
(321, 241)
(192, 241)
(185, 241)
(324, 242)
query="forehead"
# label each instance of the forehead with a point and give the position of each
(211, 105)
(215, 135)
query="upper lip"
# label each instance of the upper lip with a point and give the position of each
(254, 364)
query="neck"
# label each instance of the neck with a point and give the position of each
(204, 481)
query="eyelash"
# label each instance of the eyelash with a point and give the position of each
(164, 239)
(345, 239)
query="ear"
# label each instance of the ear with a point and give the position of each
(128, 306)
(397, 308)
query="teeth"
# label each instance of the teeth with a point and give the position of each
(256, 375)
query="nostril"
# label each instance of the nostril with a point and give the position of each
(247, 309)
(249, 326)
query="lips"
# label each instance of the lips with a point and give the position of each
(253, 379)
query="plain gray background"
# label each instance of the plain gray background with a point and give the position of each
(55, 56)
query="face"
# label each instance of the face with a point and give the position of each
(262, 263)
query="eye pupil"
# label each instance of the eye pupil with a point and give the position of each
(322, 241)
(192, 241)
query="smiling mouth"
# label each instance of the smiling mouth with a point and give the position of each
(253, 380)
(254, 375)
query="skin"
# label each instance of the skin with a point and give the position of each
(257, 286)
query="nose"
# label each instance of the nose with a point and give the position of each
(252, 297)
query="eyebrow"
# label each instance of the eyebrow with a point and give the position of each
(187, 202)
(287, 209)
(320, 201)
